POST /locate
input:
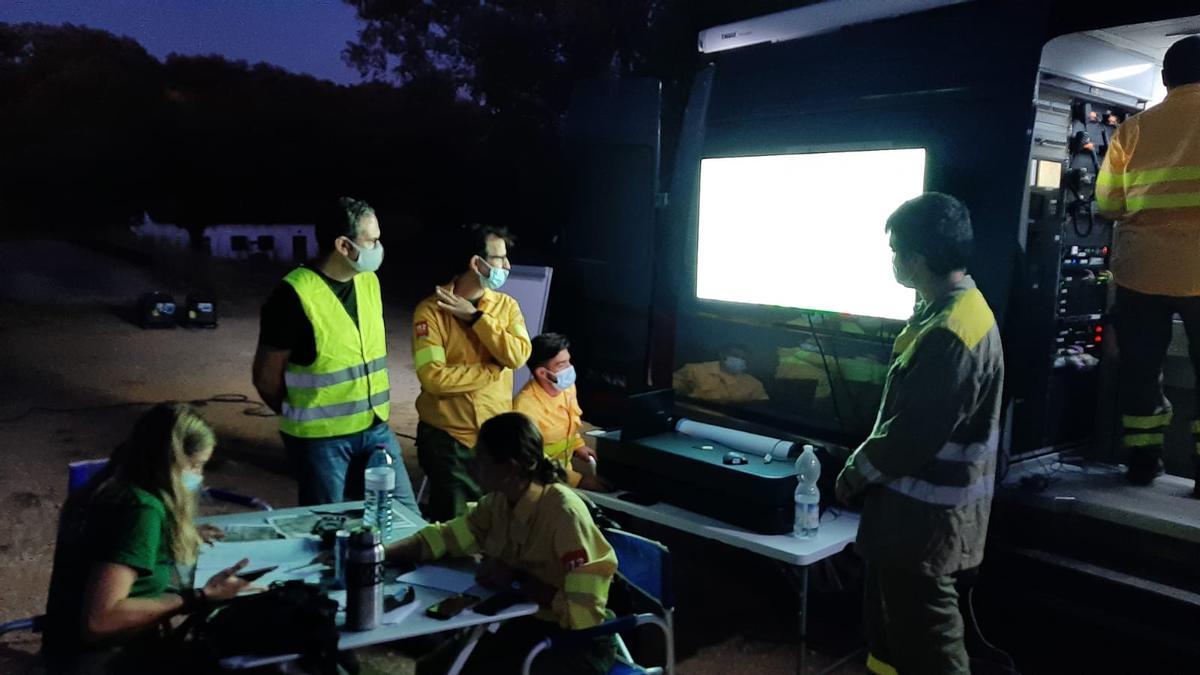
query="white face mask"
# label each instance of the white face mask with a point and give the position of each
(901, 275)
(733, 365)
(564, 379)
(369, 259)
(495, 277)
(191, 481)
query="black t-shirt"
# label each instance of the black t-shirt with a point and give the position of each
(284, 325)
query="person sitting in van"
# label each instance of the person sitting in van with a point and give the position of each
(114, 585)
(722, 381)
(536, 533)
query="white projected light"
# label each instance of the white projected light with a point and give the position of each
(805, 231)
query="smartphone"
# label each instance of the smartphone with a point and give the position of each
(451, 606)
(253, 575)
(499, 602)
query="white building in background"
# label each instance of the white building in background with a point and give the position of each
(279, 243)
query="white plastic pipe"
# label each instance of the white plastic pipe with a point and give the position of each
(751, 444)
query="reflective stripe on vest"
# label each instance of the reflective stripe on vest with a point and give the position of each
(973, 457)
(557, 449)
(335, 410)
(346, 387)
(944, 495)
(313, 380)
(969, 452)
(1172, 187)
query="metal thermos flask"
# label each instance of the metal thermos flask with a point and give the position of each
(364, 580)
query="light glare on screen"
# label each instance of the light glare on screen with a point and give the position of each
(805, 231)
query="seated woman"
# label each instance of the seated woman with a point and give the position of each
(534, 532)
(119, 540)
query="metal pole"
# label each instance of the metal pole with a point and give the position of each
(802, 662)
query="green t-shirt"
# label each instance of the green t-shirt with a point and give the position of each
(124, 525)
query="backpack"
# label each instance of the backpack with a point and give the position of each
(288, 618)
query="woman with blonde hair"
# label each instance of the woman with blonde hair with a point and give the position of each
(114, 584)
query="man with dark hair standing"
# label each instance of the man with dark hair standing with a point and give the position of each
(1150, 184)
(467, 339)
(925, 475)
(550, 400)
(321, 362)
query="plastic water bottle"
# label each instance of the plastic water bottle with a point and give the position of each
(379, 482)
(808, 496)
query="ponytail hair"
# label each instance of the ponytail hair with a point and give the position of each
(515, 438)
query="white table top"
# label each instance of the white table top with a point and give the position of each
(837, 531)
(414, 624)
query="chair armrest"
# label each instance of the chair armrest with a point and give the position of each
(33, 623)
(610, 627)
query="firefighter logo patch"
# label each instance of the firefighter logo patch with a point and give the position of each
(422, 329)
(574, 560)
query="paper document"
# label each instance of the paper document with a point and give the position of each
(286, 553)
(294, 526)
(441, 577)
(240, 533)
(299, 525)
(399, 520)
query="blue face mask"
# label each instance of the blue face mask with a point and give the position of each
(191, 481)
(564, 379)
(495, 278)
(733, 365)
(369, 259)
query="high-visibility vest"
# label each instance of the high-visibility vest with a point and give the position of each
(346, 387)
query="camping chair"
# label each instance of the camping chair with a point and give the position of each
(644, 568)
(78, 475)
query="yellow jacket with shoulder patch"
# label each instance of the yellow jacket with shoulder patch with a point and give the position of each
(466, 369)
(928, 469)
(547, 534)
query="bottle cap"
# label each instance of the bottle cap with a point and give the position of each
(379, 478)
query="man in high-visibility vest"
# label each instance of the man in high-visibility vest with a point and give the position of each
(468, 337)
(926, 474)
(549, 399)
(321, 362)
(1150, 184)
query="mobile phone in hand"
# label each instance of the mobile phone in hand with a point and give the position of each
(451, 606)
(254, 575)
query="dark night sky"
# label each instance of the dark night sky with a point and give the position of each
(303, 36)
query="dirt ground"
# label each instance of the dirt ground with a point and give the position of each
(76, 373)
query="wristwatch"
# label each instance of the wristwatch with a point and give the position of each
(194, 599)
